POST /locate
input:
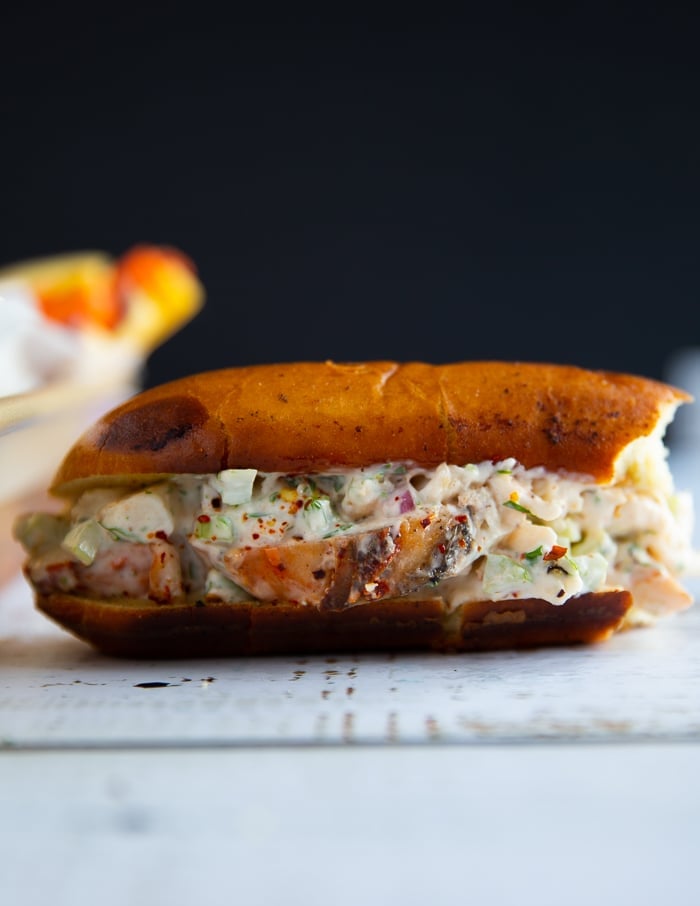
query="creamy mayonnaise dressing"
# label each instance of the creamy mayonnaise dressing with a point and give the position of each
(536, 533)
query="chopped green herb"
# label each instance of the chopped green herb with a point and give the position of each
(342, 527)
(571, 563)
(534, 554)
(119, 534)
(517, 506)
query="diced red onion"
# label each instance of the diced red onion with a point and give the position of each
(406, 502)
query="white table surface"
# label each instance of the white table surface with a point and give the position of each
(562, 776)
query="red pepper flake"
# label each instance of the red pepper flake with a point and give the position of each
(442, 548)
(376, 590)
(460, 519)
(161, 536)
(55, 567)
(556, 553)
(255, 536)
(203, 518)
(426, 522)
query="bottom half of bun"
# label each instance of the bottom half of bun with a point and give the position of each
(144, 629)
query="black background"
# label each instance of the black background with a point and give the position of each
(517, 182)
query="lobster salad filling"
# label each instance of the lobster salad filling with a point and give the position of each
(472, 532)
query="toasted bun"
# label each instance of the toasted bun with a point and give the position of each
(142, 629)
(312, 416)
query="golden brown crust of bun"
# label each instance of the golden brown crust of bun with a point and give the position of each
(312, 416)
(142, 629)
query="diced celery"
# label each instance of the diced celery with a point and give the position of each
(219, 528)
(593, 569)
(235, 485)
(84, 540)
(502, 575)
(219, 586)
(318, 515)
(38, 532)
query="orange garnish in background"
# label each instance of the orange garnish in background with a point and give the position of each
(152, 268)
(144, 296)
(81, 297)
(163, 290)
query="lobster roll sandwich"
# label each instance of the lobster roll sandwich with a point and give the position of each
(322, 506)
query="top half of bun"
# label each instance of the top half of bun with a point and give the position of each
(314, 416)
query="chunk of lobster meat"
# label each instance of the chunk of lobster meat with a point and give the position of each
(656, 593)
(119, 570)
(336, 572)
(165, 573)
